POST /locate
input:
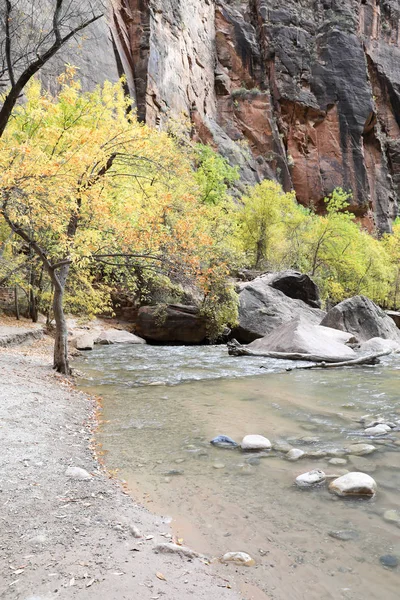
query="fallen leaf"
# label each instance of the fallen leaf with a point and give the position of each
(160, 576)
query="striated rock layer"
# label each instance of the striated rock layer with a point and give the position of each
(306, 91)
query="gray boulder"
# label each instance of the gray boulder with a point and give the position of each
(363, 318)
(296, 285)
(263, 308)
(85, 342)
(301, 336)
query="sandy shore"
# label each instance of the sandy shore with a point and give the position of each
(62, 537)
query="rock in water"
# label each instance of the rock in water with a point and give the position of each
(239, 558)
(311, 478)
(224, 441)
(117, 336)
(364, 319)
(301, 336)
(377, 429)
(295, 454)
(78, 473)
(361, 449)
(255, 442)
(263, 308)
(392, 516)
(389, 560)
(354, 484)
(344, 535)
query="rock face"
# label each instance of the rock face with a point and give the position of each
(299, 336)
(172, 323)
(263, 308)
(364, 319)
(305, 92)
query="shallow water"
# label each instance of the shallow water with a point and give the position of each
(162, 405)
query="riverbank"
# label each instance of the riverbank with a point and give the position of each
(63, 537)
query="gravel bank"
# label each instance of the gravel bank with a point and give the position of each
(67, 538)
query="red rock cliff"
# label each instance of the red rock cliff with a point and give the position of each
(306, 91)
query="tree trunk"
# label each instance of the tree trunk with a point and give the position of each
(16, 302)
(61, 363)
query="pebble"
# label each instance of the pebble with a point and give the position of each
(179, 460)
(361, 449)
(392, 516)
(295, 454)
(389, 560)
(78, 473)
(344, 535)
(281, 446)
(171, 548)
(377, 430)
(353, 484)
(224, 441)
(311, 478)
(255, 442)
(135, 531)
(219, 465)
(337, 461)
(238, 558)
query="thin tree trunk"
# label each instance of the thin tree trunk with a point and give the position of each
(61, 363)
(16, 302)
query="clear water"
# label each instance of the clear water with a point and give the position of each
(162, 405)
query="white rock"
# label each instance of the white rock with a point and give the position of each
(378, 344)
(310, 478)
(78, 473)
(295, 454)
(377, 430)
(255, 442)
(239, 558)
(135, 531)
(337, 461)
(171, 548)
(361, 449)
(354, 484)
(85, 342)
(117, 336)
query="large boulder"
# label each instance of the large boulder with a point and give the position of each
(172, 323)
(296, 285)
(117, 336)
(263, 308)
(364, 319)
(301, 336)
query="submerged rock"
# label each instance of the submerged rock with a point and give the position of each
(295, 454)
(224, 441)
(389, 560)
(311, 478)
(238, 558)
(344, 535)
(361, 449)
(354, 484)
(392, 516)
(255, 442)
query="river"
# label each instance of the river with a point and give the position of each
(163, 405)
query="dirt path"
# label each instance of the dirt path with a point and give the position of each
(65, 538)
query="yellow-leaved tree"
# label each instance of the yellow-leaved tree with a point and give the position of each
(82, 181)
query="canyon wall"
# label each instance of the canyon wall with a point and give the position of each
(306, 91)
